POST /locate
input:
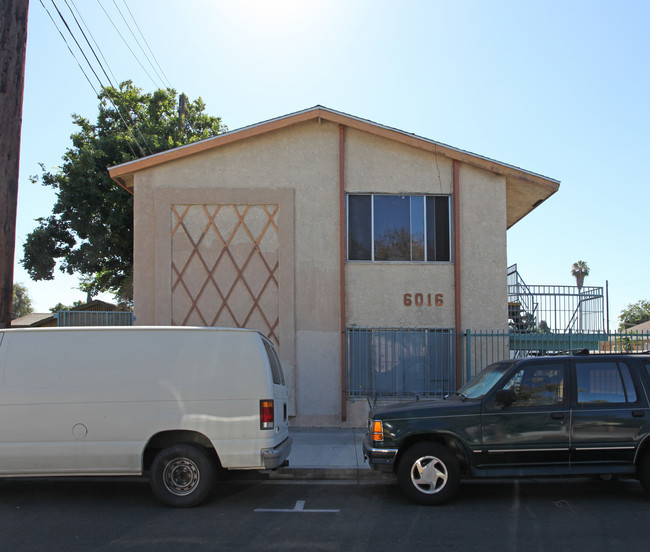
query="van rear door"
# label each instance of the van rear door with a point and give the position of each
(280, 398)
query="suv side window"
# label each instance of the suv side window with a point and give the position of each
(538, 385)
(604, 383)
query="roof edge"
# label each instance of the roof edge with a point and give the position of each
(123, 173)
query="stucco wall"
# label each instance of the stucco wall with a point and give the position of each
(297, 168)
(483, 250)
(375, 292)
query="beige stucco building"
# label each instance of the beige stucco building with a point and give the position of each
(318, 221)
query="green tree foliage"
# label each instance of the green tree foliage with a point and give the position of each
(90, 230)
(21, 303)
(634, 314)
(61, 307)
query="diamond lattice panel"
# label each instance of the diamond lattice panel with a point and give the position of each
(225, 266)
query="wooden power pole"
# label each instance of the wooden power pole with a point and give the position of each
(13, 41)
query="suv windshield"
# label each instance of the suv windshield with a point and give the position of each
(480, 384)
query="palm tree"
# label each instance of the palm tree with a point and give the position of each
(579, 271)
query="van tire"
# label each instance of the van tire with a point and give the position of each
(429, 474)
(182, 476)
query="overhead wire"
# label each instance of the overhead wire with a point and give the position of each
(127, 45)
(93, 39)
(136, 39)
(69, 49)
(103, 65)
(147, 44)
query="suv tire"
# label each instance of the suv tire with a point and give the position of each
(429, 473)
(644, 470)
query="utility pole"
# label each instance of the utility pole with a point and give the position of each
(13, 41)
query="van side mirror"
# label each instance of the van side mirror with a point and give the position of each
(506, 397)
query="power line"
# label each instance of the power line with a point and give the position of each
(93, 39)
(136, 38)
(88, 42)
(76, 41)
(102, 63)
(126, 43)
(91, 68)
(148, 47)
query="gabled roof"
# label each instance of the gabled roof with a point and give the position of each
(525, 190)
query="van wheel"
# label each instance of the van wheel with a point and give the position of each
(182, 476)
(429, 474)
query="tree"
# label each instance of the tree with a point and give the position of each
(90, 230)
(61, 307)
(21, 303)
(634, 314)
(579, 271)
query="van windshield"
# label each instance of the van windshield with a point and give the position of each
(274, 361)
(485, 380)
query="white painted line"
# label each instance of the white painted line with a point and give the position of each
(298, 508)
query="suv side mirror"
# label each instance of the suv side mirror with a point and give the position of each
(506, 397)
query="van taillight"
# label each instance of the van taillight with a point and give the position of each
(267, 411)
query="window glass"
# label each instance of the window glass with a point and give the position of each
(480, 384)
(359, 228)
(392, 228)
(599, 383)
(538, 385)
(417, 228)
(438, 242)
(399, 228)
(274, 361)
(627, 381)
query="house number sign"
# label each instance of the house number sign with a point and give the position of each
(424, 299)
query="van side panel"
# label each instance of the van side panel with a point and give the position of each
(87, 401)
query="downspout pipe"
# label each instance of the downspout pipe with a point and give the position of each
(342, 260)
(457, 274)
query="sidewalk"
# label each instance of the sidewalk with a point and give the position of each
(328, 453)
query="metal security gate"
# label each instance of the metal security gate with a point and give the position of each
(400, 362)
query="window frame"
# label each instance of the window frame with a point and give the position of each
(372, 195)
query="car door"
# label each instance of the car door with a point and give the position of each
(609, 411)
(531, 435)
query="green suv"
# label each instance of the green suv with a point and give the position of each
(574, 415)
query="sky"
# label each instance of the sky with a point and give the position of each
(558, 88)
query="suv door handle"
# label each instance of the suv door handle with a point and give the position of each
(557, 415)
(638, 413)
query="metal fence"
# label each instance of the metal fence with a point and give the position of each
(481, 348)
(409, 362)
(400, 362)
(94, 318)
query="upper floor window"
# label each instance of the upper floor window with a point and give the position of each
(399, 228)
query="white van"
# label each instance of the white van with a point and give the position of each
(179, 403)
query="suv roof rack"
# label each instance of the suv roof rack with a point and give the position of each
(575, 352)
(585, 352)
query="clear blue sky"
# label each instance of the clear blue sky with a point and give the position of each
(559, 88)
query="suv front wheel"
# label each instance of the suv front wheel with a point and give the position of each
(429, 473)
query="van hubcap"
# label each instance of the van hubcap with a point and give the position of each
(181, 476)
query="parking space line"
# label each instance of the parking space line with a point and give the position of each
(298, 508)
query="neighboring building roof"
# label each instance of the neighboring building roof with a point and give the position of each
(31, 319)
(525, 190)
(643, 327)
(36, 319)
